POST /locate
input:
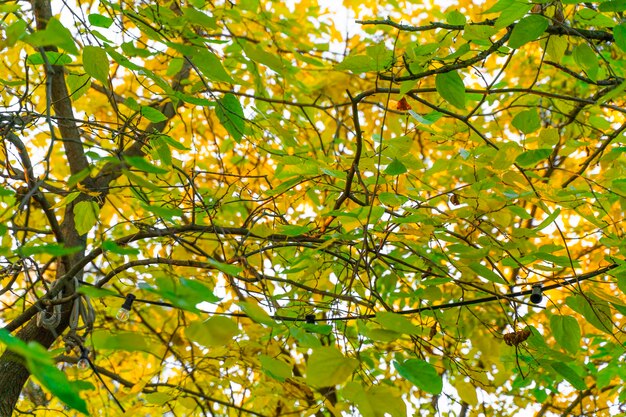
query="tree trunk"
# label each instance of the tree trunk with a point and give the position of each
(13, 374)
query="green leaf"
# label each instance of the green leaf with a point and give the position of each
(140, 180)
(54, 58)
(527, 121)
(499, 6)
(396, 323)
(327, 367)
(143, 165)
(162, 149)
(606, 375)
(451, 88)
(377, 58)
(304, 338)
(193, 288)
(230, 114)
(619, 33)
(586, 57)
(33, 352)
(169, 213)
(95, 292)
(570, 375)
(478, 32)
(128, 341)
(275, 368)
(78, 85)
(566, 331)
(96, 63)
(216, 331)
(530, 158)
(57, 383)
(15, 31)
(613, 6)
(85, 216)
(354, 392)
(55, 34)
(392, 199)
(292, 230)
(589, 17)
(556, 47)
(395, 168)
(621, 283)
(514, 12)
(257, 54)
(548, 220)
(183, 293)
(427, 119)
(113, 247)
(199, 18)
(421, 374)
(528, 29)
(50, 249)
(100, 21)
(170, 141)
(225, 268)
(381, 56)
(455, 17)
(256, 313)
(324, 329)
(486, 273)
(152, 114)
(596, 311)
(211, 66)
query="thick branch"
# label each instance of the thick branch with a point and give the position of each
(596, 35)
(60, 99)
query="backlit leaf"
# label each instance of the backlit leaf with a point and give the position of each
(86, 215)
(566, 331)
(96, 63)
(527, 30)
(421, 374)
(328, 367)
(570, 375)
(211, 66)
(100, 20)
(143, 165)
(395, 168)
(256, 313)
(530, 158)
(276, 368)
(487, 273)
(450, 86)
(152, 114)
(527, 121)
(128, 341)
(467, 392)
(612, 6)
(215, 331)
(230, 114)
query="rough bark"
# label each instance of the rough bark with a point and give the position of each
(13, 374)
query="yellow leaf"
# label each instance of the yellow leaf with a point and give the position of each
(467, 392)
(87, 191)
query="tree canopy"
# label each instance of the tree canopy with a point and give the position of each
(233, 208)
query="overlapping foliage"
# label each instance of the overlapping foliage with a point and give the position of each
(316, 219)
